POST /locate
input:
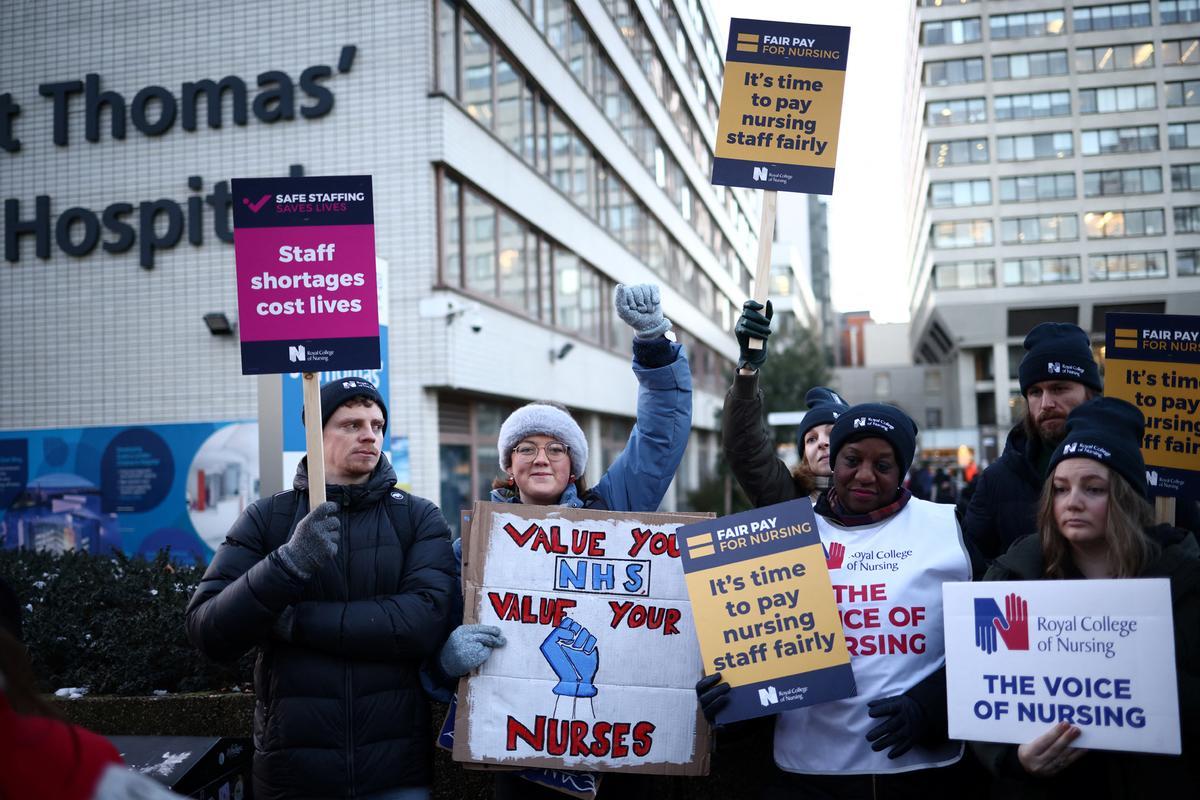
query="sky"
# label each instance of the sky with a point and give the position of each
(867, 217)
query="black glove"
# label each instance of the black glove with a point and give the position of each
(903, 724)
(753, 325)
(713, 694)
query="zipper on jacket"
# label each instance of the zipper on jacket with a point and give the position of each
(345, 548)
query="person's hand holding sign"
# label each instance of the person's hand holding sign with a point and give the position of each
(571, 651)
(1051, 753)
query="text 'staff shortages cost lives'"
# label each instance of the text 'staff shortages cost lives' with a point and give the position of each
(765, 612)
(305, 250)
(1153, 361)
(781, 106)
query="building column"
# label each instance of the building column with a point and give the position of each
(1000, 376)
(968, 416)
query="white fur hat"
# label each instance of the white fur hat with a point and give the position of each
(548, 420)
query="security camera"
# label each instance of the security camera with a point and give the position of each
(475, 320)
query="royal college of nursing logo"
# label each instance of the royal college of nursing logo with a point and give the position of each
(1012, 627)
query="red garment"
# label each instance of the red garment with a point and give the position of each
(48, 758)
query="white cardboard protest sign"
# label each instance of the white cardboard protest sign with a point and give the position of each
(600, 664)
(1098, 654)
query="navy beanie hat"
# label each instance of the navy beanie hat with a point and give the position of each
(1107, 430)
(878, 421)
(1059, 351)
(824, 408)
(335, 393)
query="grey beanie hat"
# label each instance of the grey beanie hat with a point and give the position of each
(549, 420)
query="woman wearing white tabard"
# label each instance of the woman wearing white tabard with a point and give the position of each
(888, 555)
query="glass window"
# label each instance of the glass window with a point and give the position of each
(950, 31)
(1029, 188)
(560, 152)
(1115, 57)
(947, 194)
(962, 233)
(566, 290)
(447, 51)
(1183, 93)
(1187, 262)
(1016, 66)
(1185, 177)
(1038, 271)
(1032, 23)
(1035, 146)
(1182, 135)
(451, 233)
(1176, 11)
(1127, 266)
(958, 151)
(947, 73)
(1180, 52)
(1187, 219)
(1108, 99)
(1033, 106)
(513, 263)
(508, 104)
(955, 112)
(1139, 139)
(1136, 180)
(1035, 230)
(1111, 17)
(1122, 224)
(479, 233)
(965, 275)
(477, 73)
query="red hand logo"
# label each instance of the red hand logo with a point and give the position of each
(1016, 633)
(837, 553)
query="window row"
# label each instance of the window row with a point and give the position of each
(1038, 105)
(491, 88)
(1043, 228)
(488, 250)
(1107, 17)
(1061, 186)
(1110, 182)
(1105, 58)
(1061, 144)
(981, 274)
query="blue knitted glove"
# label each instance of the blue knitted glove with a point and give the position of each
(314, 541)
(641, 309)
(468, 647)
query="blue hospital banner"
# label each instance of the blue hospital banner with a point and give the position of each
(766, 617)
(781, 106)
(1022, 656)
(136, 489)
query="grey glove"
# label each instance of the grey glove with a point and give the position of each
(285, 623)
(752, 324)
(314, 542)
(641, 309)
(468, 647)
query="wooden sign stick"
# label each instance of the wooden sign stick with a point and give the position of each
(1164, 510)
(314, 442)
(762, 273)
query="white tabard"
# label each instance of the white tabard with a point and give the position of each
(889, 594)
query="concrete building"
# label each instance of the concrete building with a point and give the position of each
(526, 156)
(1054, 153)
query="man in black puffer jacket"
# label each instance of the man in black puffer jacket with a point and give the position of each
(343, 604)
(1057, 374)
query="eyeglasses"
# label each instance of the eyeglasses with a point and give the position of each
(555, 451)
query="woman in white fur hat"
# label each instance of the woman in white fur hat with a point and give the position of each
(544, 453)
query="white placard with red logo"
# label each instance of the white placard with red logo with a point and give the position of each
(1098, 654)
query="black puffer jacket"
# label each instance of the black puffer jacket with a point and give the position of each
(340, 710)
(1105, 774)
(1004, 506)
(750, 447)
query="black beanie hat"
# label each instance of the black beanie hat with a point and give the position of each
(335, 393)
(878, 421)
(1107, 430)
(1059, 351)
(824, 408)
